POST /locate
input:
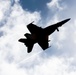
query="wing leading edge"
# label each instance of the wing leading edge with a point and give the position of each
(33, 28)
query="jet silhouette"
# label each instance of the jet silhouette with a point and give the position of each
(40, 35)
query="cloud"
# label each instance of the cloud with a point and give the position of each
(14, 59)
(54, 4)
(14, 29)
(11, 69)
(51, 65)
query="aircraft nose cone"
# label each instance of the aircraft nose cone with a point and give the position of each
(68, 19)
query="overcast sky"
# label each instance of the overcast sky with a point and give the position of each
(59, 59)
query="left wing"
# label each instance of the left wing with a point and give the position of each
(50, 29)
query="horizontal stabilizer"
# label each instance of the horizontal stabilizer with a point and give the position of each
(29, 44)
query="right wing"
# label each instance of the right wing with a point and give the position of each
(43, 43)
(33, 28)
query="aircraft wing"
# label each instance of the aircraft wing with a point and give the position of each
(33, 28)
(50, 29)
(43, 43)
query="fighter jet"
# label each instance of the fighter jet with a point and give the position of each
(39, 35)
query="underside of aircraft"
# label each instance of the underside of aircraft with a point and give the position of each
(39, 35)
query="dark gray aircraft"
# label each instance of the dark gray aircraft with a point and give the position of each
(40, 35)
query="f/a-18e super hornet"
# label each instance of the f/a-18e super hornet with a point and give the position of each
(40, 35)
